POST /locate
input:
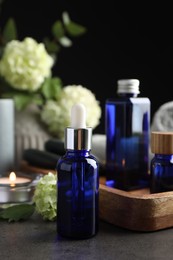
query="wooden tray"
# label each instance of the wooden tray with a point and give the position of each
(134, 210)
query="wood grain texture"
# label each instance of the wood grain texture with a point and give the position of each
(136, 210)
(139, 210)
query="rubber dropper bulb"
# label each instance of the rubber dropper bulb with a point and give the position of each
(78, 116)
(78, 136)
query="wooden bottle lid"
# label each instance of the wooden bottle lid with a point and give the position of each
(162, 142)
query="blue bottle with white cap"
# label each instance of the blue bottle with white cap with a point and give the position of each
(78, 181)
(127, 126)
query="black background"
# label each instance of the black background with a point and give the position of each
(122, 41)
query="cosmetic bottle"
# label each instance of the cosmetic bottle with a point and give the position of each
(78, 181)
(161, 172)
(127, 127)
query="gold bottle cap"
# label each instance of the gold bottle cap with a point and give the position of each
(162, 142)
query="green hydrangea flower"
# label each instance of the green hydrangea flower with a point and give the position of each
(56, 114)
(45, 196)
(25, 64)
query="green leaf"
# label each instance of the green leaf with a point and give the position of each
(51, 46)
(10, 31)
(17, 212)
(22, 100)
(51, 88)
(75, 29)
(58, 30)
(38, 100)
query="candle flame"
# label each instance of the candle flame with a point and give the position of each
(12, 178)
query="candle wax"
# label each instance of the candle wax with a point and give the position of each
(19, 180)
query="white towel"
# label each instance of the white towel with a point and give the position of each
(163, 118)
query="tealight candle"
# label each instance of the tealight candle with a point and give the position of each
(13, 181)
(17, 189)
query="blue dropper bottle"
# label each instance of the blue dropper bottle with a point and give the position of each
(78, 181)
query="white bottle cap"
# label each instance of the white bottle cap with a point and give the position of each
(128, 86)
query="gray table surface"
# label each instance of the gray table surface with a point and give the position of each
(37, 239)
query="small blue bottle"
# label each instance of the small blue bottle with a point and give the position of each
(78, 181)
(127, 126)
(161, 167)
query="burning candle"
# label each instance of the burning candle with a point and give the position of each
(17, 189)
(13, 181)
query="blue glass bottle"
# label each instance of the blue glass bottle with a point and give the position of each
(161, 167)
(127, 126)
(78, 185)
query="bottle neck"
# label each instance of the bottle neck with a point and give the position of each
(127, 95)
(77, 153)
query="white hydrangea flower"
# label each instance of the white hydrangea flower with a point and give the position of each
(45, 196)
(56, 114)
(25, 64)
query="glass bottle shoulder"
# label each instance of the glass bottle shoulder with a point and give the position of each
(128, 99)
(118, 100)
(72, 157)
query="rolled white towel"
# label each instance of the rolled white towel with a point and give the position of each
(163, 118)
